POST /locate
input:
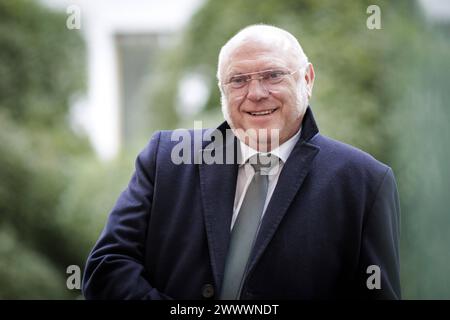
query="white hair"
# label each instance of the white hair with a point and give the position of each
(275, 37)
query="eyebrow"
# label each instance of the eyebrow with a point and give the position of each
(250, 73)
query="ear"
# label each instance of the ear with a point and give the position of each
(309, 77)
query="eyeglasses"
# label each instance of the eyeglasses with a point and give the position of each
(268, 78)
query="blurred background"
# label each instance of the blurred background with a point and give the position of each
(84, 84)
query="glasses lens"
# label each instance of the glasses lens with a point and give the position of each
(273, 77)
(270, 77)
(237, 82)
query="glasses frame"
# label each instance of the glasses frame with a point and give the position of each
(258, 77)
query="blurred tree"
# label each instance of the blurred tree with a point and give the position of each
(419, 91)
(54, 192)
(41, 66)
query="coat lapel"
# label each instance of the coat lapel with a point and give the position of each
(291, 178)
(218, 185)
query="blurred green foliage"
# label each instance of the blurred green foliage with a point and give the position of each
(48, 195)
(420, 155)
(40, 66)
(41, 63)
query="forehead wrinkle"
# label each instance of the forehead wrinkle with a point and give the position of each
(259, 60)
(236, 70)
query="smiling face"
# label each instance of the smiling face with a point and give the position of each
(255, 106)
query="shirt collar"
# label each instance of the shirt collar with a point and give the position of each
(282, 152)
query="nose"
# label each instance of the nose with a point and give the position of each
(256, 90)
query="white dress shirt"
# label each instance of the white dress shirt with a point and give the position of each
(246, 172)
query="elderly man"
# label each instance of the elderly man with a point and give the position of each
(293, 215)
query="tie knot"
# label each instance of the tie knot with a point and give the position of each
(263, 162)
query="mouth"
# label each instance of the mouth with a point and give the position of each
(262, 113)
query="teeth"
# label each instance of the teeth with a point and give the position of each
(262, 113)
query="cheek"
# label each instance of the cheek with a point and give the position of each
(288, 98)
(292, 97)
(234, 109)
(235, 102)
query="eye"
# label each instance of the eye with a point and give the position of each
(274, 76)
(238, 81)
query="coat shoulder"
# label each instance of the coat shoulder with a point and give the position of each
(343, 156)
